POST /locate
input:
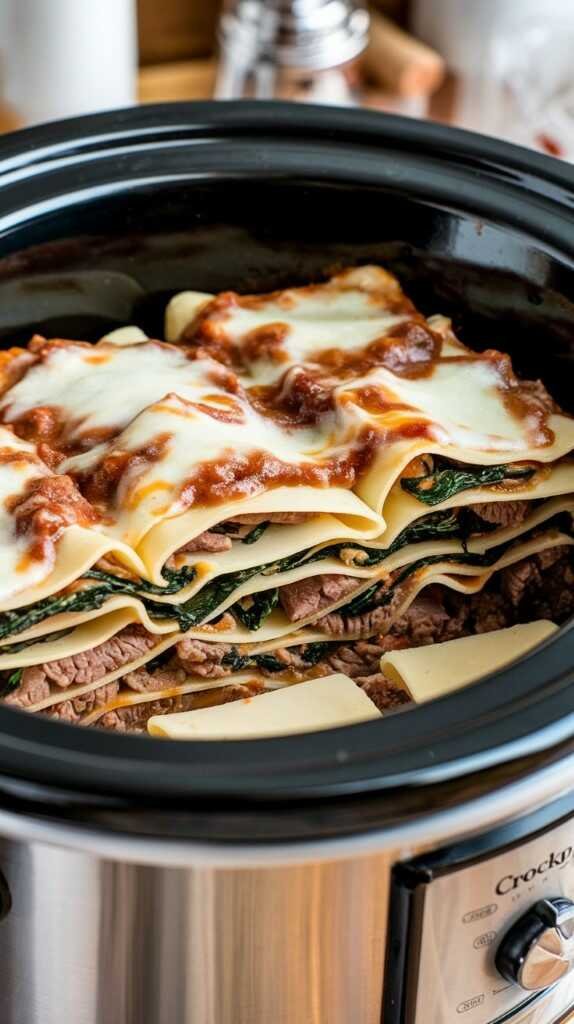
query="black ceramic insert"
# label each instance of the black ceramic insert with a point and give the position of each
(103, 218)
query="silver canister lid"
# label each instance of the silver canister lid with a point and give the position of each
(305, 34)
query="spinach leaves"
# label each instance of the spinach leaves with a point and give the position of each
(255, 533)
(10, 681)
(446, 480)
(253, 610)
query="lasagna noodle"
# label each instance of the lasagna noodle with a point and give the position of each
(76, 551)
(319, 704)
(182, 415)
(350, 517)
(181, 310)
(197, 686)
(376, 486)
(267, 580)
(433, 671)
(459, 399)
(39, 560)
(403, 509)
(537, 516)
(466, 579)
(456, 408)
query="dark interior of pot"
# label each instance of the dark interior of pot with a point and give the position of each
(106, 218)
(120, 259)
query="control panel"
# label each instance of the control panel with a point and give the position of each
(488, 937)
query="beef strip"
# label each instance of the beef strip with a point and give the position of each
(502, 513)
(134, 717)
(83, 668)
(555, 598)
(361, 657)
(73, 711)
(203, 659)
(49, 505)
(207, 541)
(382, 692)
(488, 611)
(164, 678)
(364, 624)
(309, 596)
(527, 576)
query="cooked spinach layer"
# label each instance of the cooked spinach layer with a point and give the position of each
(10, 681)
(444, 524)
(253, 610)
(311, 654)
(255, 533)
(446, 480)
(379, 594)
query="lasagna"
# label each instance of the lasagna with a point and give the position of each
(291, 486)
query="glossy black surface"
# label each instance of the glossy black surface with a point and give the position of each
(102, 218)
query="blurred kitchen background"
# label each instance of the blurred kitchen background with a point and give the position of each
(502, 67)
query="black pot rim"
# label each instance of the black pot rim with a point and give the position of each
(511, 714)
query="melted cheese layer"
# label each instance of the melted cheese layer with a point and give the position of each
(19, 466)
(111, 405)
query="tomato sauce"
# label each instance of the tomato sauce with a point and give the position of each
(241, 475)
(47, 507)
(99, 486)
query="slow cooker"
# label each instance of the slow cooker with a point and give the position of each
(414, 870)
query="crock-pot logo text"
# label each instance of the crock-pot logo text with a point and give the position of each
(556, 859)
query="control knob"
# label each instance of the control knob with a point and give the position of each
(538, 949)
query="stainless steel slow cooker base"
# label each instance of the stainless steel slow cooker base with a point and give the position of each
(104, 927)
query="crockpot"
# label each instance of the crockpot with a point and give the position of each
(414, 870)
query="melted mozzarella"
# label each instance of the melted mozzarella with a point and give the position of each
(104, 387)
(316, 322)
(462, 401)
(17, 569)
(136, 391)
(152, 489)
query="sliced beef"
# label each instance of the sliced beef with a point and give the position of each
(364, 625)
(292, 658)
(141, 680)
(527, 576)
(488, 611)
(49, 505)
(309, 596)
(163, 678)
(286, 518)
(207, 541)
(83, 668)
(425, 622)
(502, 513)
(515, 580)
(555, 599)
(361, 657)
(134, 717)
(33, 688)
(382, 692)
(74, 710)
(203, 659)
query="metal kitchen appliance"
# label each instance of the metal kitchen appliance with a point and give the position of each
(291, 49)
(413, 870)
